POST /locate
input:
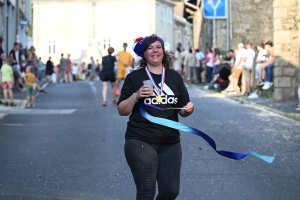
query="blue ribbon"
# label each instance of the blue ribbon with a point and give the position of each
(209, 140)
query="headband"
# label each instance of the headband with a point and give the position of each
(139, 44)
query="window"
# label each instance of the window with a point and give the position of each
(51, 47)
(79, 13)
(51, 14)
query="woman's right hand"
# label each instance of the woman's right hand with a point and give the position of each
(143, 92)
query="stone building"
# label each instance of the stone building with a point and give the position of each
(256, 21)
(15, 19)
(85, 28)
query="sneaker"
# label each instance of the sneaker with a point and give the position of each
(267, 85)
(12, 104)
(206, 87)
(246, 94)
(261, 83)
(1, 103)
(253, 96)
(6, 104)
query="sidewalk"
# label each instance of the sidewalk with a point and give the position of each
(19, 99)
(287, 109)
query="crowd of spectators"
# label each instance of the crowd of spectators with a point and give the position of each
(224, 72)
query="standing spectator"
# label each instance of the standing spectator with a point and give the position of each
(69, 69)
(75, 70)
(23, 59)
(29, 82)
(49, 69)
(199, 68)
(177, 60)
(15, 56)
(248, 67)
(8, 82)
(268, 66)
(2, 57)
(92, 69)
(241, 57)
(124, 60)
(62, 69)
(190, 60)
(107, 74)
(217, 61)
(229, 58)
(261, 58)
(209, 59)
(32, 61)
(41, 69)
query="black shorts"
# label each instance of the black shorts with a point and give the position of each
(108, 77)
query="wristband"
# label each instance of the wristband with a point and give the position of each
(132, 96)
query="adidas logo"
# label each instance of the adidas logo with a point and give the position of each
(165, 100)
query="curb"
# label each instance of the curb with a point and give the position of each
(293, 116)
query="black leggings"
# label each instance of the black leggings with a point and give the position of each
(151, 163)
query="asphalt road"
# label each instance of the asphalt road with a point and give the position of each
(70, 147)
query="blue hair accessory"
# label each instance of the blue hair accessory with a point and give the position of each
(139, 44)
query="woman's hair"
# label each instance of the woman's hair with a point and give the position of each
(262, 45)
(190, 50)
(110, 50)
(217, 51)
(166, 61)
(209, 49)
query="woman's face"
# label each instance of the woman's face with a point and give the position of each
(154, 53)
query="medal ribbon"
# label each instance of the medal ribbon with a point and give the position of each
(209, 140)
(163, 75)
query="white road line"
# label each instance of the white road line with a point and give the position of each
(40, 111)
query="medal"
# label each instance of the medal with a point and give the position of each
(158, 99)
(158, 91)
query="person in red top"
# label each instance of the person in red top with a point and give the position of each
(69, 69)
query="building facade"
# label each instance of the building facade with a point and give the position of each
(87, 28)
(255, 21)
(15, 20)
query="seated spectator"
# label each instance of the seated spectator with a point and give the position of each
(237, 70)
(260, 59)
(267, 67)
(221, 79)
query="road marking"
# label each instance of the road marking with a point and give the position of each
(93, 88)
(11, 124)
(40, 111)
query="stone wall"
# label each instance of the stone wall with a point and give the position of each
(252, 21)
(286, 43)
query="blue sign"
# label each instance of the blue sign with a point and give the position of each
(215, 9)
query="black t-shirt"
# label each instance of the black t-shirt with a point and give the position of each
(108, 64)
(1, 52)
(13, 53)
(225, 72)
(175, 95)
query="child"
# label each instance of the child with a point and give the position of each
(8, 82)
(29, 82)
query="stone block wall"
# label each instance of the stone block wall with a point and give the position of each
(252, 21)
(286, 43)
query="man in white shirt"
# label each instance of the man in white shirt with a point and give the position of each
(248, 68)
(200, 57)
(241, 58)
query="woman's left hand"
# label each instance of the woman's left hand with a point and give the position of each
(189, 107)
